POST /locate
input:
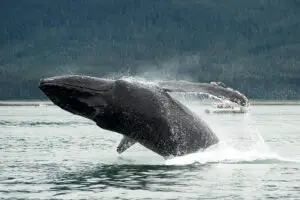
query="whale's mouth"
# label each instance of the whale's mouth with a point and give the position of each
(69, 99)
(78, 95)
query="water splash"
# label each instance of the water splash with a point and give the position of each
(223, 153)
(138, 80)
(235, 151)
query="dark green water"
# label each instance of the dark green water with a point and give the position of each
(46, 153)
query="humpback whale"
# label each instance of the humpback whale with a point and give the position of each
(142, 113)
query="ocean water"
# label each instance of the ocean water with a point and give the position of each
(47, 153)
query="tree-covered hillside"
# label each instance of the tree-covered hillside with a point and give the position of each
(253, 46)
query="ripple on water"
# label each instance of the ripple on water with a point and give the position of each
(42, 123)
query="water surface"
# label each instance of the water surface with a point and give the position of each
(47, 153)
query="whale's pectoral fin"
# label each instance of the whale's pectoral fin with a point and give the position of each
(217, 89)
(125, 144)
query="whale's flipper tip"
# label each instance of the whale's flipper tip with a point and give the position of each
(125, 144)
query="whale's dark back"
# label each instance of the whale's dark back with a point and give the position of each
(153, 118)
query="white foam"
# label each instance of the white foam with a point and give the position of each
(257, 151)
(137, 79)
(222, 153)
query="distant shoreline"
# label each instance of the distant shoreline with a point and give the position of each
(274, 102)
(49, 103)
(26, 103)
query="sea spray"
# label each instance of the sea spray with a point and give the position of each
(249, 147)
